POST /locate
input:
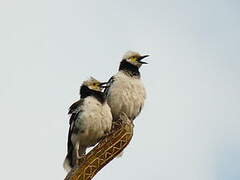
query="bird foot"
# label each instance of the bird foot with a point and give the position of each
(80, 159)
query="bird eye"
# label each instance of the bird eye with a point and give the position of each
(133, 58)
(94, 84)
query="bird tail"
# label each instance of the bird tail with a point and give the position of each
(68, 162)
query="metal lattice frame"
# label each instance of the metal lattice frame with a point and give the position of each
(107, 149)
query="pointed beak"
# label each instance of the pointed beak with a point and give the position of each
(142, 57)
(104, 85)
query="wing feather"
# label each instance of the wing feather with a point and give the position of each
(74, 110)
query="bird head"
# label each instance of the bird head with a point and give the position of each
(134, 58)
(94, 84)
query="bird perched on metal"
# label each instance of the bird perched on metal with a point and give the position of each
(126, 92)
(90, 120)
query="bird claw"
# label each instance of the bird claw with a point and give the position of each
(80, 156)
(80, 159)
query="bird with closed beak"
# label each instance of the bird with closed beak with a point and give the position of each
(126, 92)
(90, 120)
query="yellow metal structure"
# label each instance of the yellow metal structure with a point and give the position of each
(107, 149)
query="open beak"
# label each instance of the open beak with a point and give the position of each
(142, 57)
(104, 85)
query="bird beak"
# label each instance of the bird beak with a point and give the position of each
(142, 57)
(104, 85)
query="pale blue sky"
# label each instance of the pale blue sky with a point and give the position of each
(189, 127)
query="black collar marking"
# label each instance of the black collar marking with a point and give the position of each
(85, 92)
(129, 68)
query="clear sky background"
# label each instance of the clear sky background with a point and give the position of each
(189, 128)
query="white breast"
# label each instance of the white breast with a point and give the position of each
(94, 121)
(126, 94)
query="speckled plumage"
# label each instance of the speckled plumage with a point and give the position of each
(126, 92)
(92, 123)
(90, 120)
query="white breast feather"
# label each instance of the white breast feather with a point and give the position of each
(126, 94)
(95, 121)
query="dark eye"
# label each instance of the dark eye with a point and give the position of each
(94, 84)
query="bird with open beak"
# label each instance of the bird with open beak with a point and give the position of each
(126, 92)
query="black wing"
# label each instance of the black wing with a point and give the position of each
(74, 110)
